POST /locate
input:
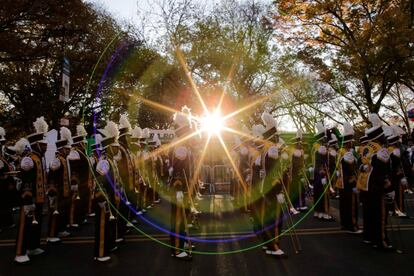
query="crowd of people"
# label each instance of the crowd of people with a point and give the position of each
(126, 172)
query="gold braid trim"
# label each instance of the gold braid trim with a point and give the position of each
(40, 179)
(66, 191)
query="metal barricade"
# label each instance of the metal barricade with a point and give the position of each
(222, 176)
(206, 180)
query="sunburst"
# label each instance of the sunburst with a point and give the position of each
(212, 122)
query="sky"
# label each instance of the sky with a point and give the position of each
(125, 9)
(129, 9)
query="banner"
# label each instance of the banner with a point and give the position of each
(64, 92)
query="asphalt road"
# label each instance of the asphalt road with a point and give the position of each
(327, 250)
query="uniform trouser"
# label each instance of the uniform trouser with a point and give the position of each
(82, 204)
(149, 196)
(140, 200)
(399, 198)
(320, 198)
(155, 191)
(23, 233)
(257, 214)
(297, 193)
(6, 208)
(348, 209)
(177, 227)
(379, 215)
(119, 224)
(64, 209)
(272, 222)
(35, 235)
(53, 223)
(28, 234)
(133, 200)
(102, 232)
(367, 215)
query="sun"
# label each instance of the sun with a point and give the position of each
(212, 123)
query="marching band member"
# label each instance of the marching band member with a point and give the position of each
(377, 184)
(85, 188)
(346, 182)
(33, 176)
(297, 173)
(146, 171)
(136, 158)
(320, 175)
(398, 179)
(104, 235)
(7, 182)
(58, 193)
(254, 179)
(332, 162)
(126, 165)
(117, 194)
(179, 173)
(273, 174)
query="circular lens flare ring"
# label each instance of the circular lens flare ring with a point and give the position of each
(212, 123)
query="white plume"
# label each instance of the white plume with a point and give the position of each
(98, 138)
(124, 122)
(40, 125)
(65, 134)
(388, 131)
(348, 129)
(2, 132)
(375, 120)
(245, 130)
(111, 129)
(186, 110)
(146, 133)
(299, 134)
(268, 120)
(237, 141)
(397, 131)
(81, 131)
(181, 119)
(320, 127)
(137, 132)
(22, 145)
(258, 130)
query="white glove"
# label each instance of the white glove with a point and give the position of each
(338, 173)
(180, 196)
(262, 174)
(248, 178)
(355, 190)
(18, 182)
(74, 188)
(391, 195)
(28, 208)
(323, 181)
(404, 181)
(92, 160)
(365, 168)
(170, 171)
(311, 170)
(280, 198)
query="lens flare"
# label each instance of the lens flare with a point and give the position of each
(212, 123)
